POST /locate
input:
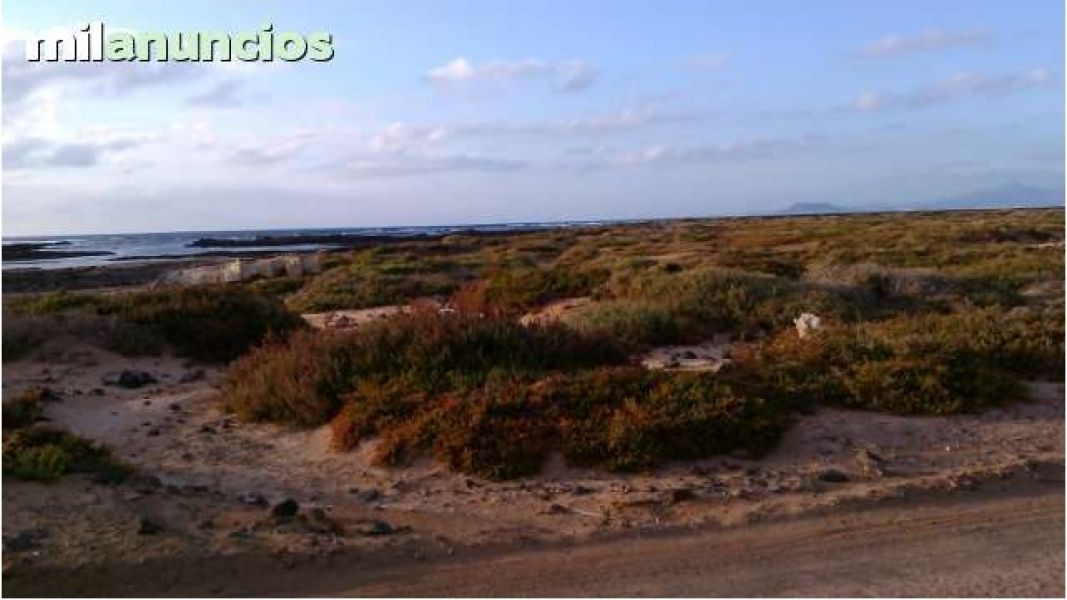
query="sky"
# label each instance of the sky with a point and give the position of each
(450, 112)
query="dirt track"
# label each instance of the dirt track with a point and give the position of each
(996, 547)
(1005, 539)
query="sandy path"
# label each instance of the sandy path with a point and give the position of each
(1000, 546)
(1006, 540)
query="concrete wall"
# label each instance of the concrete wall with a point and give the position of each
(239, 269)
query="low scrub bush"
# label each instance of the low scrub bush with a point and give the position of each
(44, 453)
(374, 278)
(621, 418)
(25, 409)
(210, 323)
(929, 364)
(509, 292)
(662, 308)
(301, 379)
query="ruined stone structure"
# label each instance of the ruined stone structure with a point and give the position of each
(239, 269)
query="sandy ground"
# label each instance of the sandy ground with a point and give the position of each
(1002, 540)
(209, 481)
(351, 319)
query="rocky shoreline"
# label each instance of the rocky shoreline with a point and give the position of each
(45, 251)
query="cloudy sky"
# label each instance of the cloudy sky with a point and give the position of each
(463, 112)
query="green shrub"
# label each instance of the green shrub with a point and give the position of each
(38, 463)
(377, 279)
(301, 379)
(622, 418)
(24, 409)
(51, 303)
(658, 308)
(927, 364)
(512, 291)
(211, 323)
(44, 453)
(635, 323)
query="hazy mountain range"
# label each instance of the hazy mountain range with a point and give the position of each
(1009, 195)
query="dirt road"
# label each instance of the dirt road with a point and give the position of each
(1005, 539)
(995, 547)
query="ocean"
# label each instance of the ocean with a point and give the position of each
(129, 246)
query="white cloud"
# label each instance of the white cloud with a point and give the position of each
(22, 78)
(402, 136)
(83, 151)
(706, 62)
(933, 40)
(760, 148)
(223, 94)
(396, 165)
(274, 149)
(957, 87)
(567, 75)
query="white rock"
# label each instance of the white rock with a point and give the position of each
(806, 324)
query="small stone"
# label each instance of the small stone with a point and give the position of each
(680, 495)
(833, 476)
(870, 463)
(24, 540)
(146, 484)
(376, 527)
(191, 376)
(253, 499)
(963, 482)
(129, 379)
(556, 509)
(371, 495)
(286, 508)
(146, 526)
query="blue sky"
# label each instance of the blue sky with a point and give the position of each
(458, 112)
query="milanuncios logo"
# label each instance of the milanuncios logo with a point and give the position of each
(90, 42)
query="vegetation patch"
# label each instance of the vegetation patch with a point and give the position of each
(209, 323)
(301, 379)
(40, 453)
(931, 364)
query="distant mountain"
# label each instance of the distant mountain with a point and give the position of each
(1009, 195)
(816, 208)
